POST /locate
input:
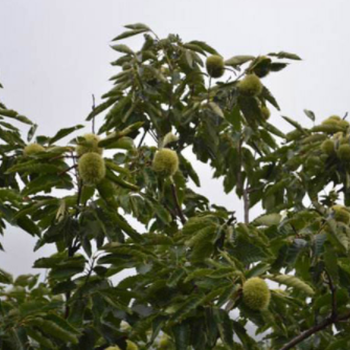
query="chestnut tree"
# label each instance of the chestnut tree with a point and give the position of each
(203, 279)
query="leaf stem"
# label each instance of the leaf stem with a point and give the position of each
(177, 204)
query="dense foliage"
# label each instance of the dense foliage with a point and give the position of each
(200, 278)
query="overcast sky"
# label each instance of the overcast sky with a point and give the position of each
(55, 53)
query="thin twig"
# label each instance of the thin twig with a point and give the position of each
(74, 246)
(209, 87)
(178, 207)
(142, 138)
(240, 184)
(93, 108)
(66, 170)
(61, 157)
(246, 206)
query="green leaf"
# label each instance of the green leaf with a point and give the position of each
(100, 108)
(277, 66)
(33, 166)
(120, 182)
(189, 305)
(340, 236)
(182, 336)
(137, 26)
(5, 277)
(175, 277)
(216, 109)
(53, 329)
(9, 113)
(274, 130)
(287, 55)
(123, 48)
(40, 338)
(331, 262)
(267, 220)
(204, 46)
(224, 325)
(234, 117)
(295, 124)
(129, 33)
(310, 114)
(269, 97)
(31, 132)
(122, 143)
(63, 133)
(125, 226)
(238, 60)
(28, 225)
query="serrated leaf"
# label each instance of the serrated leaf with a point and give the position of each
(266, 93)
(292, 281)
(182, 336)
(204, 46)
(339, 235)
(130, 33)
(13, 114)
(190, 304)
(100, 108)
(53, 329)
(225, 328)
(295, 124)
(64, 132)
(283, 54)
(274, 130)
(267, 220)
(238, 60)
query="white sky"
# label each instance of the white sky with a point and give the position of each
(55, 53)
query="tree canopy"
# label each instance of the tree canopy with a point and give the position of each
(201, 277)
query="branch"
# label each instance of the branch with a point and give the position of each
(93, 119)
(333, 289)
(246, 206)
(74, 246)
(142, 138)
(333, 318)
(221, 241)
(67, 170)
(240, 184)
(178, 207)
(324, 324)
